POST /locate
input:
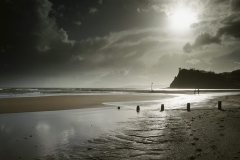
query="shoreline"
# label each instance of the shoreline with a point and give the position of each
(67, 102)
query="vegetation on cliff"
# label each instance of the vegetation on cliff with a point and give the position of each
(206, 80)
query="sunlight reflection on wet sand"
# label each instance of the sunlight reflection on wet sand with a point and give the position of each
(38, 134)
(41, 133)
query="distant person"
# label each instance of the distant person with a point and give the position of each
(198, 91)
(194, 91)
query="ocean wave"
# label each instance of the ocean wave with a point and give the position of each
(30, 92)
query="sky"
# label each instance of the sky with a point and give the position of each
(115, 43)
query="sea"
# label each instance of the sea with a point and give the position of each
(39, 92)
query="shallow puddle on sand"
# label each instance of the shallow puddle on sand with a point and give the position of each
(35, 134)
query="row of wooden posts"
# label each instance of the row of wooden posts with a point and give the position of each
(188, 106)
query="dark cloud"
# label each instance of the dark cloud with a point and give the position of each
(204, 39)
(100, 1)
(200, 40)
(235, 5)
(34, 37)
(20, 21)
(219, 1)
(230, 18)
(230, 29)
(58, 40)
(220, 17)
(61, 7)
(33, 43)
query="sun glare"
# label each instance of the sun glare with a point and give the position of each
(182, 18)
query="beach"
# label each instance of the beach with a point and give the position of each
(206, 133)
(66, 128)
(52, 103)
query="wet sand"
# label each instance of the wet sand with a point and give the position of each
(52, 103)
(203, 133)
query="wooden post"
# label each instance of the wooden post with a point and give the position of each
(188, 106)
(219, 105)
(138, 109)
(162, 107)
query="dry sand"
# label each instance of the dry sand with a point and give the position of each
(211, 134)
(50, 103)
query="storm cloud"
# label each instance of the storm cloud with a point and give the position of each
(50, 43)
(220, 26)
(34, 37)
(200, 40)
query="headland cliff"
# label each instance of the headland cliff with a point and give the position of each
(206, 80)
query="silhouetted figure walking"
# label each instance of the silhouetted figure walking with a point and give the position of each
(198, 91)
(194, 91)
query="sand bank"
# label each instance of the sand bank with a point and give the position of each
(51, 103)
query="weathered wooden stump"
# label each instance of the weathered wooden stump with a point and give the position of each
(162, 107)
(188, 106)
(138, 108)
(219, 105)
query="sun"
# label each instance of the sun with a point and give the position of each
(181, 18)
